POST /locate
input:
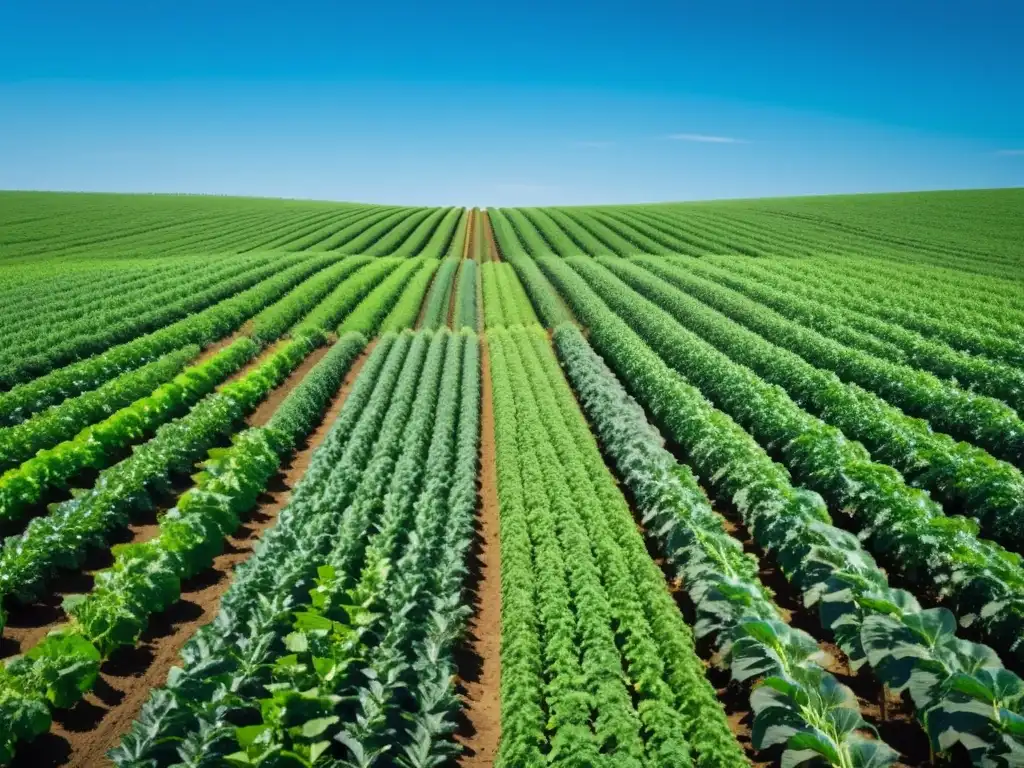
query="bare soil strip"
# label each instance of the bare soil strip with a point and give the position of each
(467, 247)
(82, 735)
(479, 656)
(266, 409)
(217, 346)
(492, 244)
(30, 623)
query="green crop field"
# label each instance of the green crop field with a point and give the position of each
(289, 483)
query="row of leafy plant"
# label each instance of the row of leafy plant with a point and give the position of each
(985, 421)
(45, 300)
(55, 348)
(576, 575)
(963, 695)
(276, 319)
(406, 310)
(818, 307)
(331, 310)
(796, 703)
(61, 539)
(439, 298)
(347, 655)
(940, 555)
(104, 442)
(921, 316)
(543, 297)
(963, 477)
(137, 310)
(467, 301)
(983, 317)
(62, 422)
(378, 303)
(504, 300)
(202, 328)
(146, 578)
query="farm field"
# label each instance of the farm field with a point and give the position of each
(295, 483)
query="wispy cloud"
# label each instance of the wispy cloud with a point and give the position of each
(1009, 152)
(703, 138)
(594, 144)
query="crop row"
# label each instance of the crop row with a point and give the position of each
(146, 577)
(963, 696)
(62, 422)
(347, 650)
(56, 345)
(439, 299)
(467, 301)
(542, 296)
(201, 328)
(962, 476)
(99, 444)
(820, 307)
(941, 555)
(504, 300)
(576, 575)
(731, 604)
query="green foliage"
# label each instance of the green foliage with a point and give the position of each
(396, 478)
(326, 315)
(543, 296)
(407, 309)
(203, 328)
(62, 422)
(372, 310)
(558, 502)
(494, 314)
(305, 404)
(99, 444)
(731, 604)
(466, 299)
(438, 300)
(958, 474)
(272, 322)
(828, 565)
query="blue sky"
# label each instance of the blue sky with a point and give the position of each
(511, 103)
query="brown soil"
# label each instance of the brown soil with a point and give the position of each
(82, 735)
(492, 244)
(256, 362)
(28, 624)
(450, 320)
(266, 409)
(217, 346)
(467, 247)
(479, 656)
(897, 727)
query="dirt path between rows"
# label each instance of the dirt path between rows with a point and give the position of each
(467, 247)
(479, 658)
(492, 244)
(82, 735)
(29, 623)
(217, 346)
(266, 409)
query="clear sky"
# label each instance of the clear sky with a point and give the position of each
(511, 103)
